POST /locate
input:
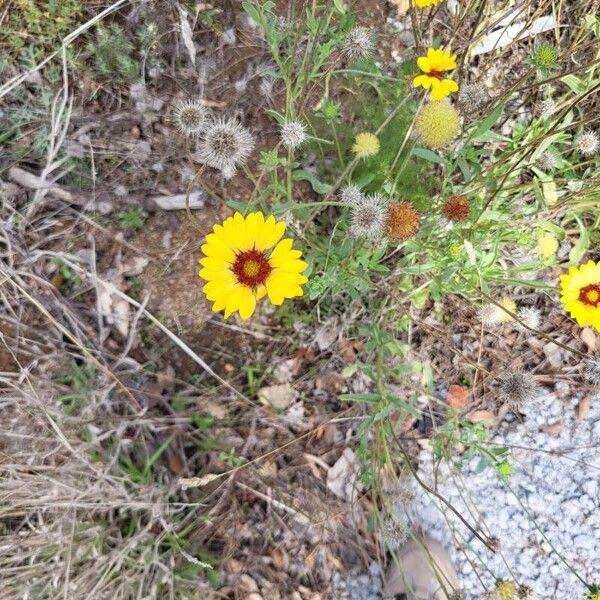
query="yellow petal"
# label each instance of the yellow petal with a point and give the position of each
(270, 233)
(423, 64)
(247, 303)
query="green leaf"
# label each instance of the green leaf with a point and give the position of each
(488, 122)
(252, 12)
(317, 186)
(427, 154)
(580, 248)
(339, 6)
(359, 397)
(277, 116)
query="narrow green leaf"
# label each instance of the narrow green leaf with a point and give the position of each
(488, 122)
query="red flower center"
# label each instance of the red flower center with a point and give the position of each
(251, 267)
(436, 74)
(590, 295)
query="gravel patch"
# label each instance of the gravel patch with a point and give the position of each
(556, 479)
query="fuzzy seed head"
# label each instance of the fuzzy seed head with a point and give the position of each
(437, 125)
(394, 531)
(506, 304)
(505, 590)
(191, 117)
(293, 134)
(225, 145)
(524, 592)
(591, 370)
(351, 194)
(547, 246)
(365, 145)
(359, 43)
(456, 208)
(547, 161)
(491, 314)
(368, 218)
(545, 108)
(518, 388)
(403, 221)
(588, 143)
(472, 97)
(530, 317)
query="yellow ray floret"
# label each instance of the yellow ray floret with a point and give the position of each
(434, 65)
(580, 293)
(426, 3)
(245, 260)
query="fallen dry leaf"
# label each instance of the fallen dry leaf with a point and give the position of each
(333, 383)
(176, 464)
(482, 416)
(583, 409)
(589, 338)
(457, 396)
(554, 428)
(341, 477)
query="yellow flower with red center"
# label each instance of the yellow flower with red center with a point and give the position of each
(434, 65)
(245, 260)
(580, 289)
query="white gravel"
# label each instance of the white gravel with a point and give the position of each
(557, 477)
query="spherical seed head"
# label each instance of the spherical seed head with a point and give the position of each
(506, 590)
(547, 245)
(359, 43)
(524, 592)
(517, 388)
(191, 117)
(545, 108)
(456, 208)
(293, 134)
(509, 305)
(351, 194)
(225, 145)
(394, 531)
(588, 143)
(472, 96)
(368, 218)
(548, 161)
(489, 314)
(403, 221)
(529, 316)
(591, 370)
(365, 144)
(437, 124)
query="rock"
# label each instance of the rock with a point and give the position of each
(178, 201)
(278, 396)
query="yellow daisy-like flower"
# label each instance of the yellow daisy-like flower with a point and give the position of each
(245, 260)
(433, 66)
(365, 145)
(426, 3)
(547, 245)
(580, 289)
(506, 590)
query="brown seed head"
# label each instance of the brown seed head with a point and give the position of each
(456, 208)
(402, 221)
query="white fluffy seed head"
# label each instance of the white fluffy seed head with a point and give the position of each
(545, 108)
(530, 316)
(225, 145)
(517, 388)
(191, 117)
(351, 194)
(368, 218)
(472, 96)
(588, 143)
(293, 134)
(591, 370)
(490, 315)
(548, 160)
(394, 531)
(359, 43)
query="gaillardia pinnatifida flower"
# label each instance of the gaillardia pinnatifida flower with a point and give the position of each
(580, 289)
(245, 260)
(433, 66)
